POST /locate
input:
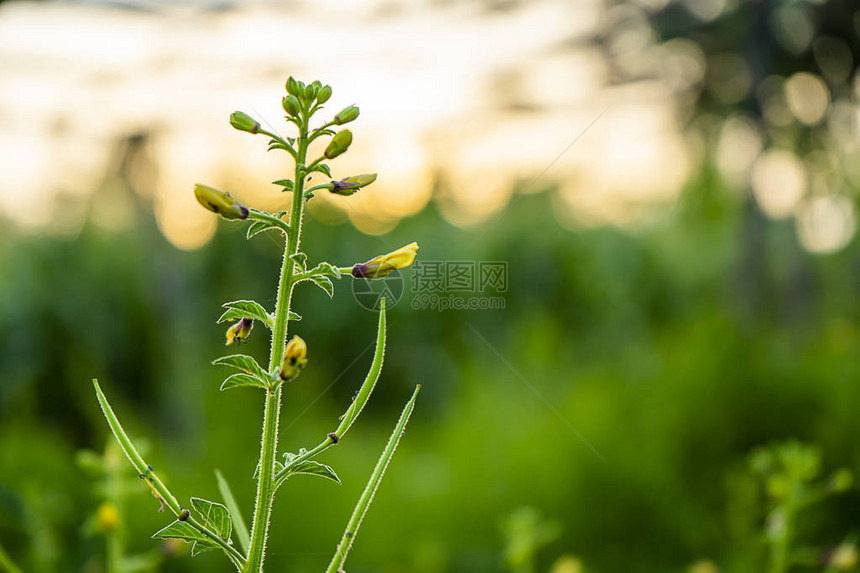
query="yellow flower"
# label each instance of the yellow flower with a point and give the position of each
(240, 331)
(350, 185)
(295, 358)
(219, 202)
(380, 266)
(107, 517)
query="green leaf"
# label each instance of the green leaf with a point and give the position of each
(311, 468)
(300, 259)
(238, 521)
(360, 510)
(369, 383)
(241, 380)
(202, 546)
(321, 168)
(287, 184)
(246, 309)
(215, 517)
(294, 316)
(181, 530)
(324, 283)
(258, 227)
(325, 268)
(244, 363)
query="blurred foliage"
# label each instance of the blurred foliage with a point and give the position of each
(675, 350)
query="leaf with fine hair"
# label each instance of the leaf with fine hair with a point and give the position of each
(216, 518)
(246, 309)
(242, 380)
(345, 545)
(324, 283)
(246, 364)
(369, 384)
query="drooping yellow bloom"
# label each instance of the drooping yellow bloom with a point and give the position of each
(380, 266)
(240, 331)
(295, 358)
(219, 202)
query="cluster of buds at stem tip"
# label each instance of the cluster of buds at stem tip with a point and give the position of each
(295, 359)
(219, 202)
(349, 185)
(244, 122)
(338, 144)
(380, 266)
(240, 331)
(299, 92)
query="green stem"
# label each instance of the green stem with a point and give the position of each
(269, 441)
(155, 482)
(361, 507)
(6, 562)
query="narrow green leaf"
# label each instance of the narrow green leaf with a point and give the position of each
(309, 467)
(324, 283)
(246, 309)
(294, 315)
(241, 529)
(119, 433)
(345, 545)
(287, 184)
(242, 380)
(369, 384)
(244, 363)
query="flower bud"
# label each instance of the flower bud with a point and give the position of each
(244, 122)
(350, 185)
(324, 94)
(311, 90)
(291, 105)
(380, 266)
(346, 115)
(240, 331)
(219, 202)
(338, 144)
(293, 86)
(295, 359)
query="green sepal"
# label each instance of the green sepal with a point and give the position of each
(246, 309)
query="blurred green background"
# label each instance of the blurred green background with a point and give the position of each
(602, 421)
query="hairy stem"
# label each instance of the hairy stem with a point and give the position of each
(269, 441)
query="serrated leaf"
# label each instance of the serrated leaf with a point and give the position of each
(311, 468)
(325, 268)
(242, 380)
(244, 363)
(215, 517)
(246, 309)
(322, 168)
(180, 530)
(300, 259)
(324, 283)
(202, 546)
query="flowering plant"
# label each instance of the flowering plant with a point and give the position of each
(211, 525)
